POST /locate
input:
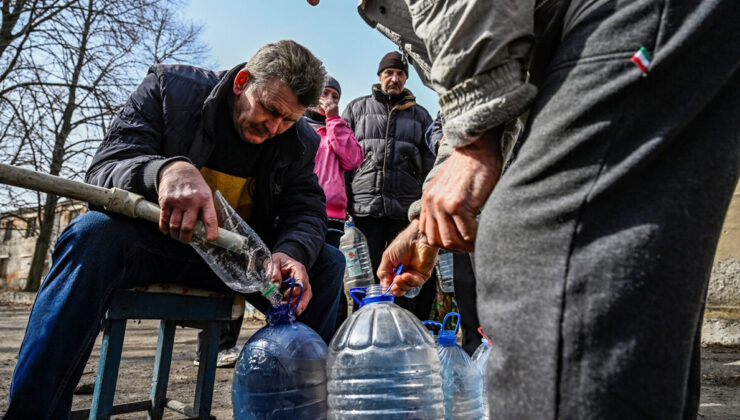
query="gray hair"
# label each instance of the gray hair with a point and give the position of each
(292, 63)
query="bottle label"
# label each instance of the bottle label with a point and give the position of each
(353, 262)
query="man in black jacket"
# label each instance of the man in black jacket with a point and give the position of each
(184, 133)
(390, 127)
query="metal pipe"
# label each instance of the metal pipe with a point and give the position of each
(113, 199)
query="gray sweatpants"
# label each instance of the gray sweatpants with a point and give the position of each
(595, 248)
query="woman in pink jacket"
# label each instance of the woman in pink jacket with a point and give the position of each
(339, 151)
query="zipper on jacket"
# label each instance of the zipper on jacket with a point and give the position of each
(385, 156)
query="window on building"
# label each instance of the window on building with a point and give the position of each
(30, 227)
(73, 214)
(4, 267)
(8, 230)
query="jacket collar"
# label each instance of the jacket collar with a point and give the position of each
(403, 100)
(219, 93)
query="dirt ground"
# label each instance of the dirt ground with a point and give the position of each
(720, 369)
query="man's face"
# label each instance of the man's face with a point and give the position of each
(392, 80)
(260, 113)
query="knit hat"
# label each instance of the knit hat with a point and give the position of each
(393, 60)
(332, 83)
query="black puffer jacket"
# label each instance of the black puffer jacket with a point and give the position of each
(171, 116)
(390, 129)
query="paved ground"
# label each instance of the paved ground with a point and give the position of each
(720, 388)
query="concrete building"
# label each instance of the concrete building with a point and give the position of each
(18, 232)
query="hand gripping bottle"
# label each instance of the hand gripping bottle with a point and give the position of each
(281, 371)
(358, 272)
(382, 364)
(462, 381)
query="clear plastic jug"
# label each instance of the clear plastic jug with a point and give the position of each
(281, 371)
(358, 272)
(463, 383)
(383, 364)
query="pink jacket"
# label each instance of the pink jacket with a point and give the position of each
(338, 151)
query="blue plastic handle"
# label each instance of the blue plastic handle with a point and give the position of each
(428, 323)
(444, 321)
(292, 284)
(354, 290)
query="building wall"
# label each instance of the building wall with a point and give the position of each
(18, 233)
(724, 285)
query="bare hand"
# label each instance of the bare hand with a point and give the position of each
(184, 197)
(453, 198)
(411, 249)
(329, 106)
(286, 267)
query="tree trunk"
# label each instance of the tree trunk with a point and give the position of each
(33, 282)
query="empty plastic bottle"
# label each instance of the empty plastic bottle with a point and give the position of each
(383, 364)
(248, 271)
(462, 382)
(281, 371)
(445, 269)
(358, 272)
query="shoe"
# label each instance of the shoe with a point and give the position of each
(226, 358)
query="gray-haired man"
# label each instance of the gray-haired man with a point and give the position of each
(185, 132)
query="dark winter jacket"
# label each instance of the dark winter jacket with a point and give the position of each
(172, 115)
(390, 129)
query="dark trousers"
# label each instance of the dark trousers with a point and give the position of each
(466, 302)
(595, 247)
(379, 233)
(97, 254)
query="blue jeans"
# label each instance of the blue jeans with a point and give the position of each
(97, 254)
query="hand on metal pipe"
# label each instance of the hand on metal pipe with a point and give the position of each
(184, 198)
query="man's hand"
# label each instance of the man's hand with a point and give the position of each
(453, 198)
(411, 249)
(184, 197)
(329, 105)
(286, 267)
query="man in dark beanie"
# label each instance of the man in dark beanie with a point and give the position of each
(390, 127)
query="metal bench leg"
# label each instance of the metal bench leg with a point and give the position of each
(110, 358)
(161, 372)
(207, 369)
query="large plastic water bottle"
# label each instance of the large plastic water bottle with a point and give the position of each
(462, 382)
(358, 272)
(445, 268)
(281, 371)
(383, 364)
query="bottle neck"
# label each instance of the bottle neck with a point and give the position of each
(376, 293)
(373, 290)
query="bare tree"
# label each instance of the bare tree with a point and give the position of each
(60, 99)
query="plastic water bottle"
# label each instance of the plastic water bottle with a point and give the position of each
(480, 360)
(445, 269)
(413, 292)
(246, 272)
(383, 364)
(358, 272)
(281, 371)
(462, 382)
